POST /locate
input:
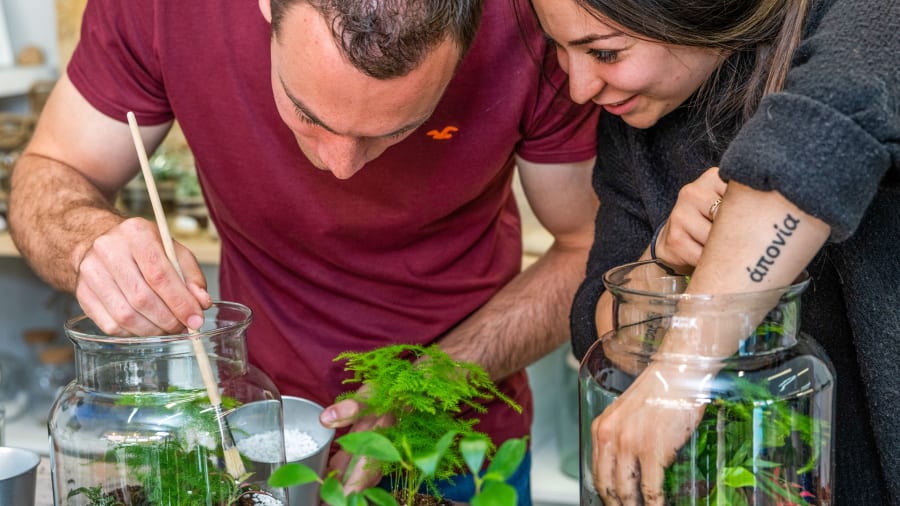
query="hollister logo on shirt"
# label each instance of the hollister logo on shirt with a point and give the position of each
(446, 133)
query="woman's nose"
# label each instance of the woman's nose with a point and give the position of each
(585, 82)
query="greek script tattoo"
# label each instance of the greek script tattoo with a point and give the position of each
(758, 273)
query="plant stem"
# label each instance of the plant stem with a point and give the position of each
(720, 457)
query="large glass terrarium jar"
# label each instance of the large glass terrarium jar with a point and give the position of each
(761, 416)
(136, 426)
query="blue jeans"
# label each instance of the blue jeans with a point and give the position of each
(462, 487)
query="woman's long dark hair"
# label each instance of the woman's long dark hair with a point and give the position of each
(760, 36)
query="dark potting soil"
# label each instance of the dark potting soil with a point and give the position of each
(424, 500)
(134, 495)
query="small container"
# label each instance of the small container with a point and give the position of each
(765, 413)
(301, 416)
(306, 440)
(136, 425)
(18, 475)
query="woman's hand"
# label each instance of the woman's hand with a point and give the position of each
(637, 437)
(681, 240)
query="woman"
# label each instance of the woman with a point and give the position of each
(798, 103)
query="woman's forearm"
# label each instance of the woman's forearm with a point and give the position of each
(759, 241)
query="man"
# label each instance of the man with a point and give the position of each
(392, 222)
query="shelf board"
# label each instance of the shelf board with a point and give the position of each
(205, 248)
(17, 80)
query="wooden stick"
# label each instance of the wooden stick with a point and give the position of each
(233, 463)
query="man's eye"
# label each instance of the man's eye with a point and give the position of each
(304, 118)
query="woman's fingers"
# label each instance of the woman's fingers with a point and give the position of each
(603, 462)
(652, 479)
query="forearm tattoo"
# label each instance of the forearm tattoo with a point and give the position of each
(773, 250)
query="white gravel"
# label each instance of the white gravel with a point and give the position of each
(266, 500)
(263, 447)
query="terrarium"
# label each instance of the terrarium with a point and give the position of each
(764, 412)
(136, 426)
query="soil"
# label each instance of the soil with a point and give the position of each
(134, 496)
(426, 500)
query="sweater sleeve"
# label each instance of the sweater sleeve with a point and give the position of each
(622, 228)
(829, 138)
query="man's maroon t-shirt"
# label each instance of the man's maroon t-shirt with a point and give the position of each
(401, 252)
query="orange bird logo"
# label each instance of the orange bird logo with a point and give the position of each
(446, 133)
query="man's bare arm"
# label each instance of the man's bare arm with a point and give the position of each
(63, 221)
(529, 317)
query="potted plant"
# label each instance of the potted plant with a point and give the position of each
(176, 467)
(424, 391)
(491, 488)
(751, 448)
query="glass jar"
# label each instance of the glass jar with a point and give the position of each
(763, 414)
(136, 426)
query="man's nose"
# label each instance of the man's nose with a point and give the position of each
(342, 156)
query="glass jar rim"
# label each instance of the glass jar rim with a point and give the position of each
(798, 286)
(71, 328)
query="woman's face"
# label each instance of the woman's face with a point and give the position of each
(637, 79)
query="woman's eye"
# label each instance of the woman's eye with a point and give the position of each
(603, 55)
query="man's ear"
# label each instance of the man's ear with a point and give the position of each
(266, 8)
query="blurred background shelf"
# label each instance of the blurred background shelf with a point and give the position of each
(205, 248)
(16, 81)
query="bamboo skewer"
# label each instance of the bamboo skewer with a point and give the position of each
(233, 463)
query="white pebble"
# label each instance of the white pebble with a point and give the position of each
(266, 500)
(263, 447)
(298, 445)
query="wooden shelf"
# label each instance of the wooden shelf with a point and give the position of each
(204, 248)
(15, 81)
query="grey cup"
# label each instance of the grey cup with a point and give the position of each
(18, 472)
(303, 415)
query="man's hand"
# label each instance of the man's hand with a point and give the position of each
(127, 285)
(637, 437)
(346, 413)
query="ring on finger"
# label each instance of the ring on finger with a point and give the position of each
(714, 208)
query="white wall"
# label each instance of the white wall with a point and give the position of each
(33, 22)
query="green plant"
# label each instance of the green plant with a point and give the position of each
(745, 447)
(171, 468)
(491, 488)
(424, 391)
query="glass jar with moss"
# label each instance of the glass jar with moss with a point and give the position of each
(137, 426)
(761, 418)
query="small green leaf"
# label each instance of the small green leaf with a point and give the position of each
(332, 493)
(765, 463)
(508, 457)
(292, 474)
(734, 498)
(356, 499)
(736, 477)
(428, 463)
(379, 497)
(473, 449)
(444, 444)
(369, 444)
(495, 493)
